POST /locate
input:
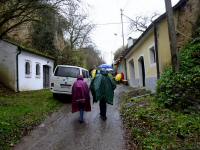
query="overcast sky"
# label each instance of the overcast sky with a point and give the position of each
(108, 37)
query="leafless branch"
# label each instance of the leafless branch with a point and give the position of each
(141, 23)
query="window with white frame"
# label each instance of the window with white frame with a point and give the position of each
(152, 55)
(27, 68)
(37, 70)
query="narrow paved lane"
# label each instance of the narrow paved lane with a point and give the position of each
(62, 131)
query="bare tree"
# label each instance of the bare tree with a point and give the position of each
(118, 52)
(141, 23)
(92, 56)
(78, 28)
(16, 12)
(87, 57)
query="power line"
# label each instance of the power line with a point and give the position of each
(126, 4)
(130, 33)
(128, 17)
(110, 23)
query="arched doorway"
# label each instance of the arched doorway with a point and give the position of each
(132, 72)
(141, 70)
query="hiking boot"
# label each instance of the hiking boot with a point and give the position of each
(81, 121)
(103, 118)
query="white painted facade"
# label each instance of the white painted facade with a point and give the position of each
(13, 68)
(32, 81)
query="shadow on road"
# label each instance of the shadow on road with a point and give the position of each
(63, 98)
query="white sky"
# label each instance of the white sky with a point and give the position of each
(108, 38)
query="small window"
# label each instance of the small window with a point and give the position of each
(27, 68)
(37, 69)
(152, 55)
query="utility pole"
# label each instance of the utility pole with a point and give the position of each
(122, 26)
(111, 57)
(123, 41)
(172, 36)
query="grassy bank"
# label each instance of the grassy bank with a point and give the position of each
(20, 112)
(153, 127)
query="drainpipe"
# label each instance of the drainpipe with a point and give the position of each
(17, 67)
(156, 50)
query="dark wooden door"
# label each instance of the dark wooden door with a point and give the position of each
(142, 69)
(46, 76)
(143, 72)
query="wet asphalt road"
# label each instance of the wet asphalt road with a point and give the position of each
(62, 131)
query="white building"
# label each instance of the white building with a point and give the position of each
(23, 69)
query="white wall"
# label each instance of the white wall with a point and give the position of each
(8, 54)
(32, 82)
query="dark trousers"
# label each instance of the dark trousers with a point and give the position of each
(102, 105)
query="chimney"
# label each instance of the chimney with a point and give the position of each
(130, 42)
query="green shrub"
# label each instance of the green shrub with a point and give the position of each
(182, 90)
(152, 127)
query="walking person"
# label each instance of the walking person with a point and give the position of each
(80, 97)
(102, 88)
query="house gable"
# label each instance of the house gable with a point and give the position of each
(8, 53)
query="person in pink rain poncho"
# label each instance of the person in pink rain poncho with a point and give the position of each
(80, 97)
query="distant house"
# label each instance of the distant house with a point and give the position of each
(120, 65)
(150, 54)
(23, 69)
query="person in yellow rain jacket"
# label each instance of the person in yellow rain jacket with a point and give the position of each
(93, 72)
(118, 77)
